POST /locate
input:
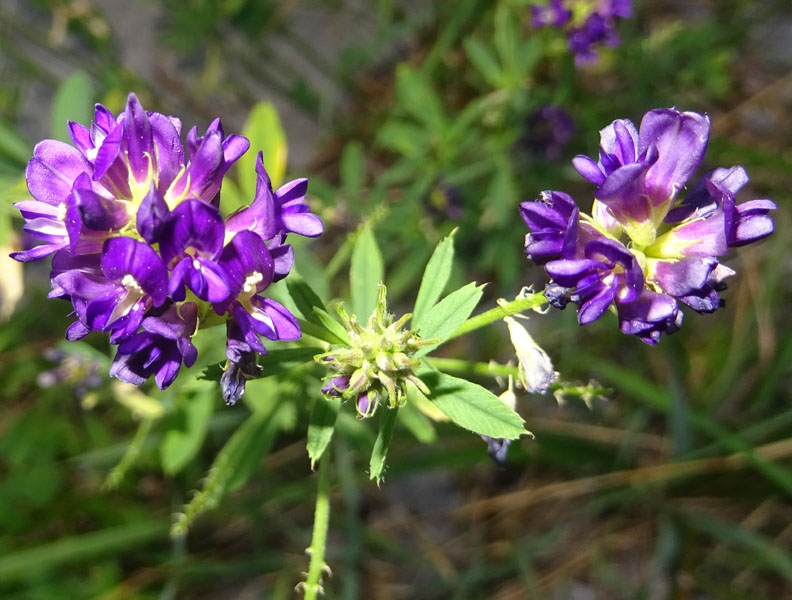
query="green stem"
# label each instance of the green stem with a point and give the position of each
(312, 586)
(458, 365)
(499, 312)
(130, 456)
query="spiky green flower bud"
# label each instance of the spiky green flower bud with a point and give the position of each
(378, 362)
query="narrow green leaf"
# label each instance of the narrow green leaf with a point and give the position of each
(331, 325)
(435, 277)
(484, 60)
(20, 564)
(303, 296)
(13, 146)
(264, 130)
(180, 445)
(321, 427)
(73, 102)
(397, 135)
(758, 548)
(271, 363)
(417, 97)
(232, 198)
(380, 451)
(365, 273)
(259, 446)
(445, 317)
(471, 406)
(353, 170)
(248, 445)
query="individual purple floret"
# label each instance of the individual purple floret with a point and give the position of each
(159, 349)
(644, 249)
(141, 249)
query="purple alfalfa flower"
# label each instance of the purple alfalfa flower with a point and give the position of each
(552, 222)
(51, 176)
(211, 155)
(190, 243)
(649, 315)
(274, 214)
(335, 386)
(249, 270)
(710, 212)
(675, 246)
(115, 292)
(236, 375)
(160, 348)
(445, 201)
(608, 272)
(640, 173)
(555, 228)
(554, 14)
(121, 164)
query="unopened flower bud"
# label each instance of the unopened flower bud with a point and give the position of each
(535, 368)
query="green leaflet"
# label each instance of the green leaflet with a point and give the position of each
(435, 278)
(366, 271)
(446, 316)
(321, 427)
(471, 406)
(414, 420)
(377, 463)
(265, 132)
(188, 427)
(73, 102)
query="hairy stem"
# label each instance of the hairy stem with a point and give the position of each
(514, 307)
(312, 586)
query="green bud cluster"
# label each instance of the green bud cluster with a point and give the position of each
(378, 361)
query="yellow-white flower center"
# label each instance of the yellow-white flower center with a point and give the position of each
(131, 284)
(251, 282)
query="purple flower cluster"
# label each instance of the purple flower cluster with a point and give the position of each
(142, 252)
(587, 24)
(644, 249)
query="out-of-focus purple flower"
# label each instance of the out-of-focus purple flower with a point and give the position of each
(445, 201)
(672, 247)
(133, 223)
(587, 25)
(553, 14)
(547, 131)
(498, 449)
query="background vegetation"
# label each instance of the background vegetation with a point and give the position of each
(414, 117)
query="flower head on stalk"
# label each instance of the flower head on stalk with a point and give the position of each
(378, 363)
(644, 249)
(142, 251)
